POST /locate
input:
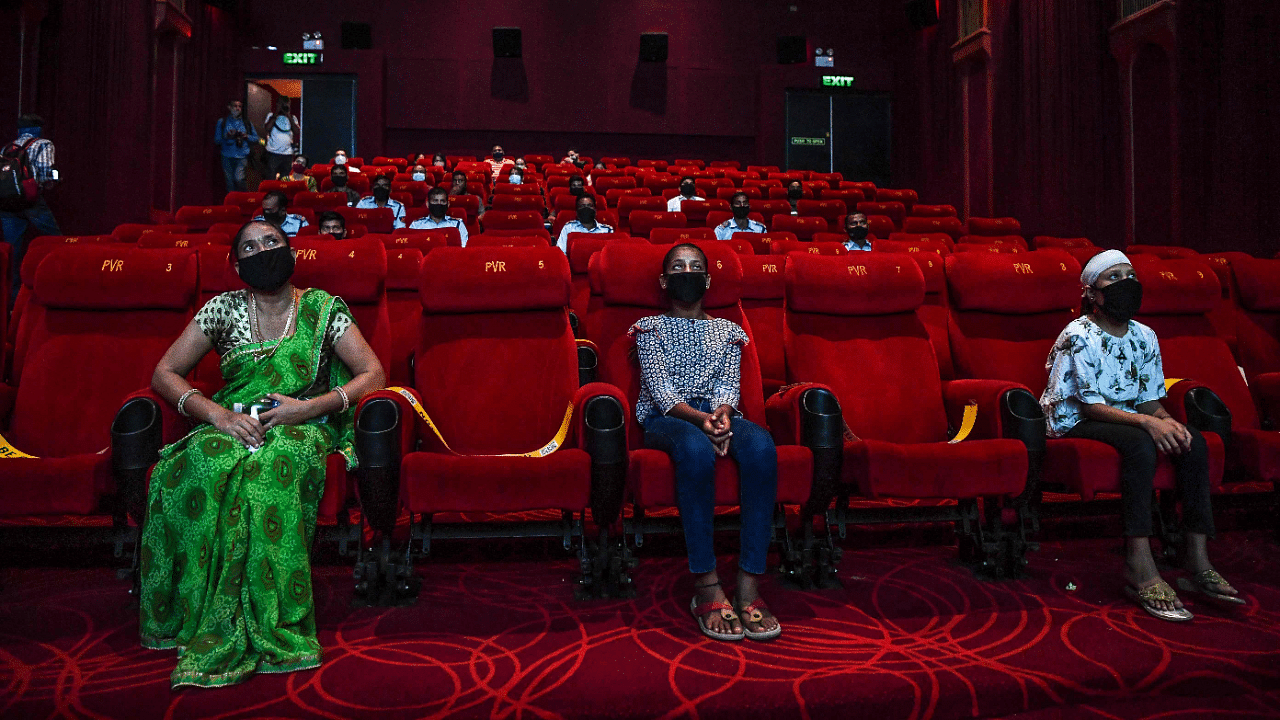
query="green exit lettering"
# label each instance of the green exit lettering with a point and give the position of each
(301, 58)
(837, 80)
(808, 141)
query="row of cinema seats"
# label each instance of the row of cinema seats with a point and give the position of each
(465, 318)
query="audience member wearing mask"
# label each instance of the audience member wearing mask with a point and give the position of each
(795, 191)
(439, 160)
(338, 176)
(381, 198)
(340, 158)
(297, 172)
(419, 173)
(275, 206)
(1106, 378)
(688, 191)
(585, 222)
(283, 133)
(740, 204)
(570, 158)
(855, 226)
(690, 386)
(497, 162)
(438, 215)
(459, 186)
(516, 176)
(234, 138)
(332, 224)
(577, 186)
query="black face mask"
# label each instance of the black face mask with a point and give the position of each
(275, 218)
(740, 211)
(795, 193)
(339, 181)
(687, 190)
(586, 214)
(437, 210)
(268, 270)
(1121, 299)
(577, 191)
(686, 287)
(858, 233)
(498, 156)
(381, 193)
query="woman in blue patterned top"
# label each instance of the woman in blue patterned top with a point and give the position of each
(1105, 383)
(689, 391)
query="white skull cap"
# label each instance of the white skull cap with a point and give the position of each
(1099, 264)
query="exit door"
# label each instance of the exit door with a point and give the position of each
(844, 131)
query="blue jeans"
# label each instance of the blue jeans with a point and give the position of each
(233, 172)
(15, 226)
(695, 458)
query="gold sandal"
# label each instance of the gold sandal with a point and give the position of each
(1160, 592)
(1199, 583)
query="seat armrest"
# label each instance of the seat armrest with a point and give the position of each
(786, 413)
(396, 430)
(990, 397)
(8, 394)
(601, 420)
(173, 427)
(1266, 392)
(588, 362)
(1194, 404)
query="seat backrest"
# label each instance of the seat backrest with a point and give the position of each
(907, 242)
(1011, 240)
(247, 202)
(355, 270)
(829, 210)
(37, 250)
(763, 289)
(496, 362)
(803, 226)
(1007, 311)
(629, 280)
(512, 219)
(727, 193)
(895, 211)
(630, 203)
(669, 235)
(851, 324)
(99, 319)
(919, 210)
(785, 247)
(173, 240)
(983, 248)
(780, 193)
(1258, 328)
(908, 198)
(695, 211)
(1041, 242)
(357, 181)
(867, 188)
(319, 200)
(512, 203)
(493, 239)
(994, 226)
(377, 220)
(130, 232)
(936, 224)
(403, 310)
(1165, 252)
(642, 221)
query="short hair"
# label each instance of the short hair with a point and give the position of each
(795, 182)
(855, 212)
(579, 178)
(376, 178)
(439, 156)
(234, 255)
(436, 192)
(456, 173)
(330, 216)
(686, 177)
(671, 253)
(279, 196)
(30, 120)
(337, 168)
(739, 194)
(584, 196)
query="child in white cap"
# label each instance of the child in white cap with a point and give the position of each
(1105, 383)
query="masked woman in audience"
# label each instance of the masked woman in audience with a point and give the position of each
(298, 173)
(689, 392)
(225, 572)
(1106, 379)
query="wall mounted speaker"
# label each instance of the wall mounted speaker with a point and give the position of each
(792, 49)
(922, 13)
(506, 42)
(357, 36)
(653, 47)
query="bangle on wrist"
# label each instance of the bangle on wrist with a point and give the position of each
(346, 402)
(182, 401)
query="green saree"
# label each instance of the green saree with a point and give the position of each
(225, 570)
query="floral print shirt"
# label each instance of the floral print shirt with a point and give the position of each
(1089, 365)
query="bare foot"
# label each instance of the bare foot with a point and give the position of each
(1140, 582)
(708, 590)
(748, 591)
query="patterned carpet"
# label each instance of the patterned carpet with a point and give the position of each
(496, 634)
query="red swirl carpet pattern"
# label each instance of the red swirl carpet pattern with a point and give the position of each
(912, 635)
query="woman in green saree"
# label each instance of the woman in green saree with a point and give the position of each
(225, 570)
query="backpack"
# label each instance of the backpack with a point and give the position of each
(18, 186)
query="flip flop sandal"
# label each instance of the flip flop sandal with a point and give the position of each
(1199, 584)
(751, 613)
(726, 612)
(1160, 592)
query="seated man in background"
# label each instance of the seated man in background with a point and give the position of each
(570, 158)
(577, 186)
(381, 198)
(419, 173)
(438, 215)
(688, 191)
(497, 161)
(740, 204)
(584, 223)
(340, 158)
(795, 191)
(338, 176)
(855, 226)
(332, 224)
(275, 206)
(459, 186)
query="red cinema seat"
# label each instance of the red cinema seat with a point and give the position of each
(983, 248)
(908, 198)
(629, 203)
(377, 220)
(878, 226)
(514, 220)
(786, 177)
(423, 240)
(1082, 255)
(763, 184)
(919, 210)
(785, 247)
(582, 246)
(452, 160)
(248, 202)
(157, 240)
(606, 217)
(628, 276)
(780, 193)
(1178, 296)
(1258, 325)
(289, 187)
(727, 164)
(504, 188)
(402, 311)
(605, 184)
(993, 226)
(513, 203)
(763, 243)
(895, 211)
(868, 188)
(707, 187)
(356, 181)
(1015, 241)
(905, 242)
(417, 190)
(130, 232)
(716, 217)
(228, 229)
(99, 319)
(1042, 242)
(1006, 313)
(695, 211)
(468, 202)
(656, 165)
(200, 217)
(494, 326)
(354, 230)
(658, 182)
(318, 201)
(803, 227)
(642, 221)
(355, 162)
(762, 170)
(699, 164)
(847, 315)
(739, 176)
(1164, 252)
(538, 159)
(727, 193)
(850, 198)
(832, 211)
(616, 161)
(944, 224)
(672, 235)
(763, 287)
(484, 240)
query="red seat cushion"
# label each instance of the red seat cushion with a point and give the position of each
(936, 470)
(438, 482)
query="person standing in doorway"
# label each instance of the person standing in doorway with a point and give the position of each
(283, 134)
(234, 137)
(37, 154)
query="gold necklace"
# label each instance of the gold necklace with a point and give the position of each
(256, 327)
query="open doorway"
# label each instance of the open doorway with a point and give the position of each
(321, 119)
(847, 131)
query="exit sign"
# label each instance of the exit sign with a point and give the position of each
(301, 58)
(837, 80)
